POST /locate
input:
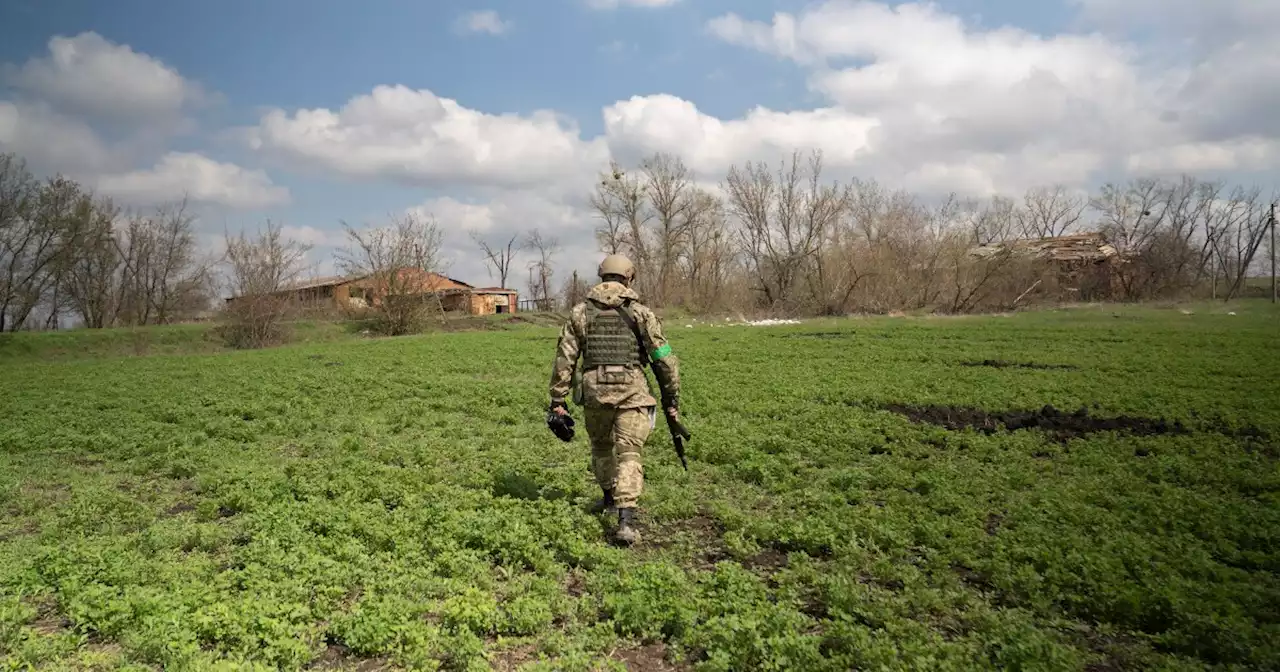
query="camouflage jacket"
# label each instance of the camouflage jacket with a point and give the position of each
(610, 386)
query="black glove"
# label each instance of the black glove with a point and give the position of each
(560, 424)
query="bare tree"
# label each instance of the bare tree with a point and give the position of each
(499, 257)
(42, 225)
(1049, 212)
(397, 264)
(708, 257)
(541, 269)
(260, 269)
(1243, 234)
(621, 203)
(93, 277)
(574, 291)
(669, 187)
(783, 222)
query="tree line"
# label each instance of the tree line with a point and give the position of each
(777, 239)
(782, 239)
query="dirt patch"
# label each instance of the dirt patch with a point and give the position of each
(648, 658)
(180, 508)
(575, 585)
(972, 578)
(701, 536)
(339, 657)
(1062, 426)
(992, 524)
(28, 528)
(767, 562)
(514, 658)
(1002, 364)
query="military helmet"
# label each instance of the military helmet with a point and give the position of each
(616, 264)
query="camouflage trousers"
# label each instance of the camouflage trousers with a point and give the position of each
(617, 436)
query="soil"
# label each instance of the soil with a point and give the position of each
(648, 658)
(339, 657)
(514, 659)
(767, 562)
(1063, 426)
(1002, 364)
(701, 532)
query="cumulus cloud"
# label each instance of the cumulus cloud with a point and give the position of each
(88, 89)
(89, 76)
(568, 220)
(485, 21)
(199, 178)
(946, 103)
(416, 137)
(643, 4)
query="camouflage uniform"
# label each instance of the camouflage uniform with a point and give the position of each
(616, 399)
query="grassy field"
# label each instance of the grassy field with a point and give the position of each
(862, 494)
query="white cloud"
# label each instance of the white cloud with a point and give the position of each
(416, 137)
(568, 220)
(199, 178)
(948, 105)
(49, 140)
(645, 124)
(485, 21)
(88, 89)
(89, 76)
(643, 4)
(310, 235)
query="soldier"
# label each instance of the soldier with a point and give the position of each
(616, 399)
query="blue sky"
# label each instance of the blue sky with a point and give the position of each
(963, 95)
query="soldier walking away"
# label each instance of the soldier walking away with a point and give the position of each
(615, 335)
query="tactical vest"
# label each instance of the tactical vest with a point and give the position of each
(609, 342)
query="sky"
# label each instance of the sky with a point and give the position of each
(496, 117)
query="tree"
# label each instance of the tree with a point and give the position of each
(395, 263)
(1049, 212)
(541, 269)
(783, 218)
(619, 200)
(499, 257)
(260, 269)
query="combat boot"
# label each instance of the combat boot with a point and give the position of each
(605, 504)
(627, 532)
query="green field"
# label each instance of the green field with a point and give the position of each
(398, 503)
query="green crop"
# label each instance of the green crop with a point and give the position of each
(398, 503)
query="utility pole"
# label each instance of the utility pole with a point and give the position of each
(1273, 252)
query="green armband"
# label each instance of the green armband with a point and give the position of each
(662, 352)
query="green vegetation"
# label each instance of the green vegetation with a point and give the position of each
(399, 501)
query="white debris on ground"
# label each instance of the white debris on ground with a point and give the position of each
(1232, 313)
(770, 323)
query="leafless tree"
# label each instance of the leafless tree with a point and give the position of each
(499, 257)
(93, 278)
(396, 263)
(1049, 212)
(621, 203)
(40, 228)
(1242, 236)
(542, 269)
(574, 291)
(783, 219)
(669, 187)
(260, 269)
(708, 258)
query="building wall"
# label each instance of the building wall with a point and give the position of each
(488, 303)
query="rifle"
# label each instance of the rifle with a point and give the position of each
(678, 431)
